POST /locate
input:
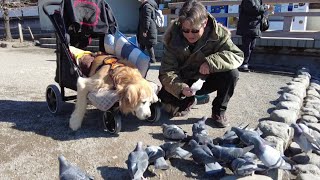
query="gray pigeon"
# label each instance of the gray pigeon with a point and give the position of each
(202, 139)
(229, 138)
(173, 132)
(200, 133)
(247, 136)
(249, 155)
(311, 134)
(304, 138)
(156, 155)
(246, 167)
(137, 162)
(270, 156)
(200, 127)
(228, 154)
(201, 154)
(173, 149)
(70, 172)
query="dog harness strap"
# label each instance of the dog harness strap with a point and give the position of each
(113, 62)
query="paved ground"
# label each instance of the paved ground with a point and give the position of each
(31, 138)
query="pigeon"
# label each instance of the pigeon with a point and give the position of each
(202, 139)
(229, 138)
(246, 167)
(200, 133)
(270, 156)
(200, 127)
(227, 154)
(314, 135)
(303, 137)
(249, 155)
(173, 132)
(173, 149)
(70, 172)
(201, 154)
(247, 136)
(156, 155)
(137, 162)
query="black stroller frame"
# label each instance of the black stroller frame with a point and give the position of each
(67, 73)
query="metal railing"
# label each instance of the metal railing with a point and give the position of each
(287, 17)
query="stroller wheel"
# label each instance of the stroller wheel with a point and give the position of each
(54, 99)
(155, 112)
(112, 121)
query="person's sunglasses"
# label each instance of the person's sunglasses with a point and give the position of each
(194, 31)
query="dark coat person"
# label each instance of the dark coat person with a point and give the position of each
(250, 15)
(197, 47)
(147, 29)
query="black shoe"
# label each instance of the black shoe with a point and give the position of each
(244, 68)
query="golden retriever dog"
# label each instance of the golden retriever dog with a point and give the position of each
(135, 93)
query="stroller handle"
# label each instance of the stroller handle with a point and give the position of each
(45, 6)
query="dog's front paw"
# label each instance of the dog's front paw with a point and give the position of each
(74, 123)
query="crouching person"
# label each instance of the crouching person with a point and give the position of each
(197, 47)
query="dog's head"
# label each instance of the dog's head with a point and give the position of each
(136, 98)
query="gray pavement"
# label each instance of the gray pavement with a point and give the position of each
(32, 139)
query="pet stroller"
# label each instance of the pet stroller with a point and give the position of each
(75, 23)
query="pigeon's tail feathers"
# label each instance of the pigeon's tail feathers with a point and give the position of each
(161, 163)
(258, 130)
(247, 149)
(139, 146)
(240, 125)
(63, 163)
(287, 166)
(184, 154)
(245, 127)
(214, 169)
(204, 118)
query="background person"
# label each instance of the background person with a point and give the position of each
(196, 46)
(147, 29)
(250, 15)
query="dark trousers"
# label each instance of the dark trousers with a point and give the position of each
(150, 50)
(223, 82)
(248, 44)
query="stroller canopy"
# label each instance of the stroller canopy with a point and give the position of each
(88, 17)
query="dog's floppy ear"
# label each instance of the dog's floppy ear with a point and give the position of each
(128, 98)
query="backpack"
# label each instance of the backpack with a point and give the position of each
(159, 18)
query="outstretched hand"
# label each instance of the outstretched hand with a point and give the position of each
(187, 91)
(204, 68)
